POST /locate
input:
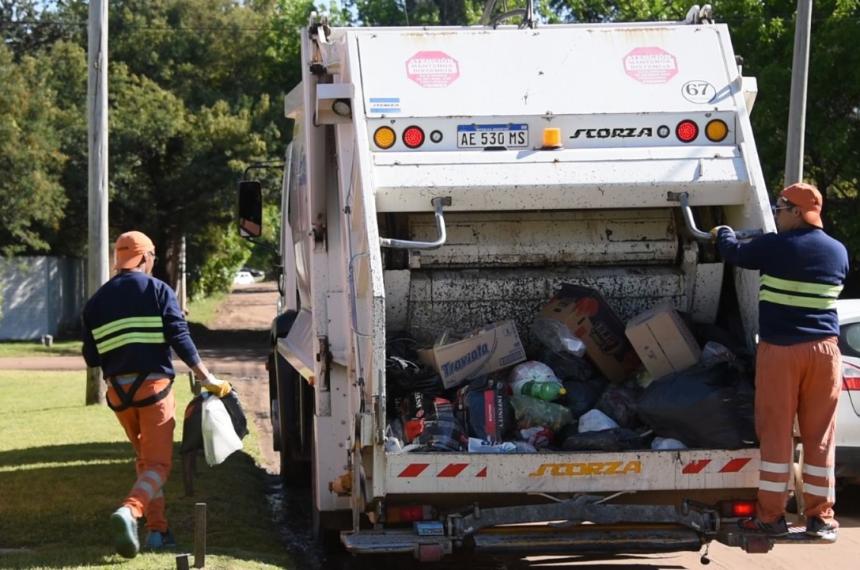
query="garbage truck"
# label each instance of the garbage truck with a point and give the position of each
(446, 178)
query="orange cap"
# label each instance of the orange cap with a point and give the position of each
(808, 200)
(129, 249)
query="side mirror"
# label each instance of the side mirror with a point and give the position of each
(250, 208)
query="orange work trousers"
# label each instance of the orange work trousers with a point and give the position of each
(150, 430)
(804, 380)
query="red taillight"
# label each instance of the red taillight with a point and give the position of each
(687, 131)
(413, 137)
(850, 377)
(409, 513)
(737, 509)
(743, 508)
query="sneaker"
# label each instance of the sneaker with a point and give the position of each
(123, 527)
(157, 540)
(775, 529)
(819, 528)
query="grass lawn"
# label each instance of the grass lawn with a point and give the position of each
(12, 348)
(64, 467)
(203, 311)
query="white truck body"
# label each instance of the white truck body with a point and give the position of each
(600, 211)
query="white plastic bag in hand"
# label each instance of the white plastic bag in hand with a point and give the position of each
(219, 436)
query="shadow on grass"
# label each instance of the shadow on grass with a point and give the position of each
(59, 512)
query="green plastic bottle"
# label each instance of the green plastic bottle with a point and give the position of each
(547, 391)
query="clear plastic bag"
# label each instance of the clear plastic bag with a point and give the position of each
(595, 420)
(557, 337)
(667, 443)
(531, 412)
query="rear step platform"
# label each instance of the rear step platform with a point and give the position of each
(756, 543)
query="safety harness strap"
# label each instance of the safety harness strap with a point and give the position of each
(127, 398)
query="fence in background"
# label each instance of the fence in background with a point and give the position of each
(39, 296)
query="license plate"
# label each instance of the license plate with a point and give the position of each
(513, 135)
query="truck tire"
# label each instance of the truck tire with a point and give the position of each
(274, 412)
(294, 416)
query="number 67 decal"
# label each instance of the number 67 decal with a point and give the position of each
(698, 91)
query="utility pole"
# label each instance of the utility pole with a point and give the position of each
(97, 136)
(797, 105)
(183, 282)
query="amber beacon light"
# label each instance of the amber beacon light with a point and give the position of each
(384, 137)
(716, 130)
(551, 138)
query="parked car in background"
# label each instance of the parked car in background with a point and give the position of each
(848, 418)
(256, 273)
(243, 278)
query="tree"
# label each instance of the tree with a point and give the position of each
(30, 157)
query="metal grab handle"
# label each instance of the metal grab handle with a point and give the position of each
(690, 223)
(440, 229)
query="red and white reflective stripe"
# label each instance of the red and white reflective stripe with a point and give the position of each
(449, 471)
(700, 466)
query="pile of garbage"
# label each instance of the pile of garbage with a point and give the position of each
(587, 383)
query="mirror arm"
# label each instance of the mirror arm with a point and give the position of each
(262, 166)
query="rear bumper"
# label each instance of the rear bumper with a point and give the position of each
(526, 529)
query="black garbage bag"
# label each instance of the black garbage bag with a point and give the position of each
(582, 395)
(619, 403)
(565, 366)
(192, 432)
(616, 439)
(406, 375)
(703, 406)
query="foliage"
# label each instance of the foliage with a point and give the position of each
(191, 95)
(85, 444)
(264, 255)
(30, 157)
(226, 253)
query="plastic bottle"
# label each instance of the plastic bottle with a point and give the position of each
(531, 412)
(531, 371)
(547, 391)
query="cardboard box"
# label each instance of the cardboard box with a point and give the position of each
(588, 316)
(662, 341)
(487, 349)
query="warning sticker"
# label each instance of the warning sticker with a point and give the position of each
(650, 65)
(432, 69)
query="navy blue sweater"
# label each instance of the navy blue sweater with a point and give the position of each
(130, 325)
(802, 271)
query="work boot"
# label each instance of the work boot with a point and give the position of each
(123, 527)
(157, 540)
(775, 529)
(819, 528)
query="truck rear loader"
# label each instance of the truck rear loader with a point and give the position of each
(445, 178)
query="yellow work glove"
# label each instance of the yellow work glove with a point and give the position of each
(218, 387)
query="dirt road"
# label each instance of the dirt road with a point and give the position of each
(235, 348)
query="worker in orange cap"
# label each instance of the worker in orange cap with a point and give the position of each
(129, 327)
(798, 364)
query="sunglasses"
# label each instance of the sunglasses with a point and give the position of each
(776, 208)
